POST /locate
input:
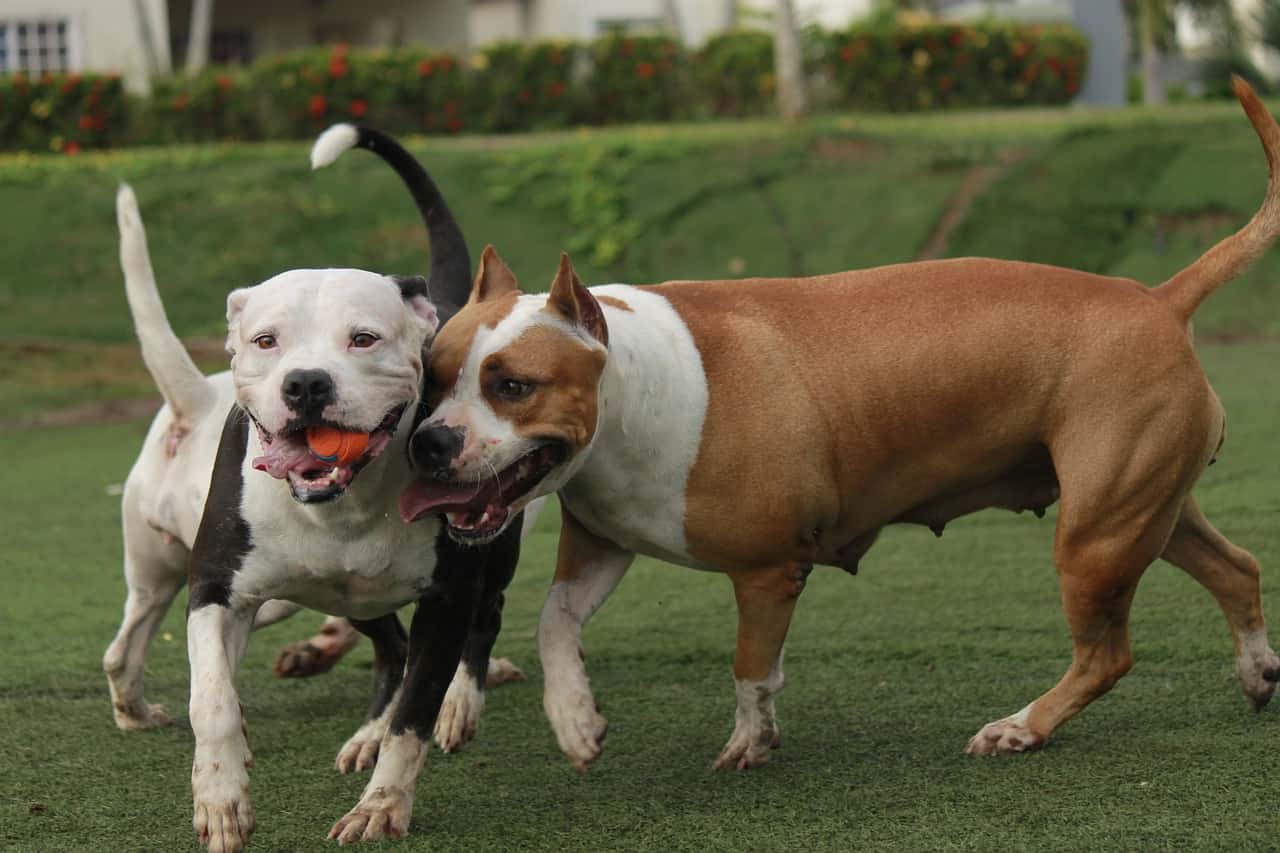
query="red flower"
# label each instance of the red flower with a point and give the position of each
(454, 125)
(318, 106)
(847, 53)
(359, 107)
(180, 102)
(99, 121)
(447, 63)
(524, 96)
(1072, 85)
(71, 149)
(338, 67)
(627, 47)
(426, 67)
(556, 89)
(223, 82)
(956, 37)
(86, 122)
(1020, 49)
(70, 84)
(93, 99)
(644, 70)
(451, 108)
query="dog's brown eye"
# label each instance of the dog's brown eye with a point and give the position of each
(265, 341)
(514, 389)
(364, 340)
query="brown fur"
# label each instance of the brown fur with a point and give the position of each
(916, 393)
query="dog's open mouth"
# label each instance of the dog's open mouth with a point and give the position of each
(312, 479)
(477, 512)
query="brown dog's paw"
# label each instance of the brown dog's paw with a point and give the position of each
(1005, 737)
(319, 654)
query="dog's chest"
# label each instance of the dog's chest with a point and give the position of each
(343, 570)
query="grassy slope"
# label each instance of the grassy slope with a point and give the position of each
(889, 672)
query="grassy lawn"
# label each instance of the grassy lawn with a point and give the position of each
(889, 672)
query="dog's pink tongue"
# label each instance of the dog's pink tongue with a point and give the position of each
(423, 496)
(281, 457)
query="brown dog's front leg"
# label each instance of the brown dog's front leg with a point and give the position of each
(766, 600)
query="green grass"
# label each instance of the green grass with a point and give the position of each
(889, 672)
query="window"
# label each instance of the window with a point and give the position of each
(36, 46)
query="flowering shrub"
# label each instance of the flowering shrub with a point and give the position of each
(637, 78)
(734, 73)
(64, 113)
(520, 85)
(990, 63)
(407, 90)
(215, 104)
(879, 64)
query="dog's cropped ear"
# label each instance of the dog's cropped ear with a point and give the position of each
(493, 278)
(235, 305)
(413, 288)
(570, 300)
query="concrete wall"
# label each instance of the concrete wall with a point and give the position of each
(106, 35)
(290, 24)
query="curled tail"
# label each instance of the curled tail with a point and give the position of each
(449, 281)
(1230, 257)
(183, 386)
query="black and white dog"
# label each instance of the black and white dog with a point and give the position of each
(338, 348)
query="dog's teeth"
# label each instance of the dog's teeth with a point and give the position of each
(334, 473)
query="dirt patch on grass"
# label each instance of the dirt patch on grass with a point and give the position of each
(847, 149)
(975, 183)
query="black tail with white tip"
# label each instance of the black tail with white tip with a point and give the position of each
(449, 281)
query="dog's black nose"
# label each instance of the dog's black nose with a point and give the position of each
(307, 391)
(434, 446)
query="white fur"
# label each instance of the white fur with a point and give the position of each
(460, 712)
(630, 486)
(313, 315)
(386, 805)
(222, 813)
(332, 144)
(755, 722)
(567, 698)
(360, 752)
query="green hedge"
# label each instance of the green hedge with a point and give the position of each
(513, 87)
(949, 65)
(63, 113)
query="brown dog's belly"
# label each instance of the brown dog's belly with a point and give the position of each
(913, 393)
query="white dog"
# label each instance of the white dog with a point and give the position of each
(255, 513)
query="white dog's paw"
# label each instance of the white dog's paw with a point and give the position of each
(749, 746)
(360, 752)
(576, 720)
(459, 713)
(1005, 737)
(224, 825)
(133, 719)
(383, 812)
(502, 671)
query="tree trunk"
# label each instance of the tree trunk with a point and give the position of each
(1152, 78)
(199, 34)
(788, 63)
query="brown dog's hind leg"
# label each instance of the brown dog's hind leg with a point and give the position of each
(766, 600)
(1231, 574)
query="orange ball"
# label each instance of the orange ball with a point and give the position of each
(336, 446)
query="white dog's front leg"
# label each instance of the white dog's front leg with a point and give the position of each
(587, 572)
(223, 815)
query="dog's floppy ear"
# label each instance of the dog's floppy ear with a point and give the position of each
(572, 301)
(235, 305)
(493, 278)
(413, 289)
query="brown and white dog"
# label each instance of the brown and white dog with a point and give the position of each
(757, 427)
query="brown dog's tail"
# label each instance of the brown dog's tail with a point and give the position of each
(1226, 260)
